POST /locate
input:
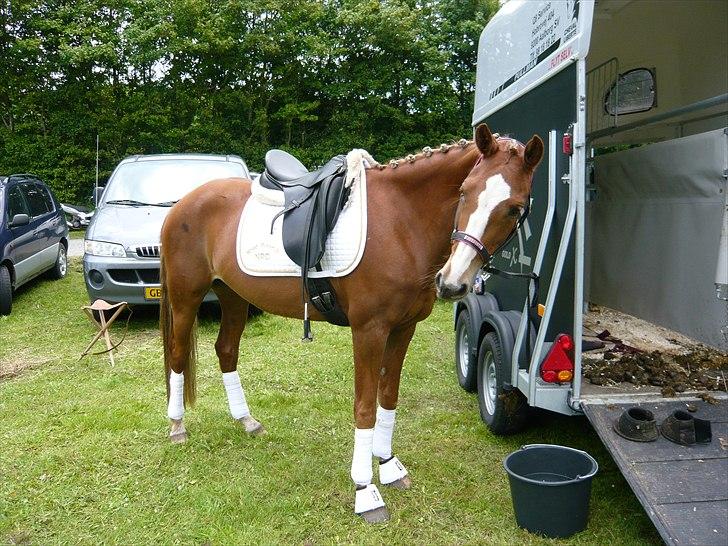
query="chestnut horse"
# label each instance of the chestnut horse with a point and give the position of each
(481, 187)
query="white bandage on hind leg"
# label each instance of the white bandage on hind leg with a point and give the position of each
(383, 430)
(236, 396)
(176, 406)
(361, 461)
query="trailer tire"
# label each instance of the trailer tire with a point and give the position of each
(465, 365)
(503, 411)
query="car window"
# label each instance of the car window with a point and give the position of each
(45, 192)
(16, 203)
(36, 201)
(166, 180)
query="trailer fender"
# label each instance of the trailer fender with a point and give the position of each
(477, 306)
(505, 325)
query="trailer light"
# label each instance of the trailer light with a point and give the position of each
(564, 375)
(566, 144)
(558, 366)
(541, 309)
(567, 344)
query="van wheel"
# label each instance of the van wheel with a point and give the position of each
(61, 267)
(504, 411)
(6, 291)
(465, 365)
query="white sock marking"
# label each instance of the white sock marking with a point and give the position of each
(383, 430)
(236, 395)
(176, 407)
(361, 461)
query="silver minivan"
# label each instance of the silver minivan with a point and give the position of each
(121, 248)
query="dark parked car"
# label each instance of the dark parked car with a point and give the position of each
(33, 234)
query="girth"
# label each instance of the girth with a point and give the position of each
(313, 202)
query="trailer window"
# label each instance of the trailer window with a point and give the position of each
(634, 91)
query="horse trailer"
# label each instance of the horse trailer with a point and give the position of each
(628, 231)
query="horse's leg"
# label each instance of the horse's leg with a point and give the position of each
(178, 317)
(391, 471)
(369, 344)
(234, 316)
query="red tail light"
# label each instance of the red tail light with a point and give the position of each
(567, 145)
(558, 366)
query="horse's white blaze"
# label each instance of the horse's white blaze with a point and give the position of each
(496, 191)
(236, 395)
(176, 408)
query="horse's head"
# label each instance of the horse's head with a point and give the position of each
(493, 199)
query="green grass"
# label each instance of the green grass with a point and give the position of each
(84, 455)
(76, 233)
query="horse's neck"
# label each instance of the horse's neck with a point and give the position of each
(430, 187)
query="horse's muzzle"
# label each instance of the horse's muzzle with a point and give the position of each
(448, 291)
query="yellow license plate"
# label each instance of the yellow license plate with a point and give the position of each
(153, 293)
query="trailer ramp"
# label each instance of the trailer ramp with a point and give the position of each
(684, 489)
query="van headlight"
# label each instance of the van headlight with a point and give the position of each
(101, 248)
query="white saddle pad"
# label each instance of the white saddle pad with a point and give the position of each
(260, 253)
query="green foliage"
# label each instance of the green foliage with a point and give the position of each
(316, 77)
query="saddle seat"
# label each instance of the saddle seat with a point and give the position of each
(284, 167)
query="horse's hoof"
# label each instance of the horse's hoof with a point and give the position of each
(402, 484)
(378, 515)
(177, 432)
(252, 426)
(179, 438)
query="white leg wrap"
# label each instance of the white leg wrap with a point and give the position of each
(176, 407)
(383, 430)
(391, 471)
(236, 396)
(361, 462)
(367, 499)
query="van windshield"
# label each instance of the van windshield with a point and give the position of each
(165, 181)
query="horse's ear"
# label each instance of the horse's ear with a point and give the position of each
(534, 152)
(484, 140)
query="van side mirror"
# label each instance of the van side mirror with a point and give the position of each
(98, 192)
(19, 220)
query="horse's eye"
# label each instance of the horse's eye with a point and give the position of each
(515, 211)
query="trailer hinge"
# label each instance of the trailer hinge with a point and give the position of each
(566, 178)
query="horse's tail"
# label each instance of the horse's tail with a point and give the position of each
(166, 326)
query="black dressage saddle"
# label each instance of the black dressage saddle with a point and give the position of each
(313, 202)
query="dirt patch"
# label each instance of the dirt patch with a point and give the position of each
(638, 352)
(20, 362)
(700, 369)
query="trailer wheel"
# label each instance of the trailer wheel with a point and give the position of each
(465, 365)
(504, 411)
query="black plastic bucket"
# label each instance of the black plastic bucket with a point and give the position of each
(550, 488)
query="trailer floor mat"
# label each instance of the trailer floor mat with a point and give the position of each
(684, 489)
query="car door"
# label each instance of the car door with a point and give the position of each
(22, 244)
(40, 222)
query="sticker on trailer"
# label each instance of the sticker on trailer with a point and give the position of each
(526, 42)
